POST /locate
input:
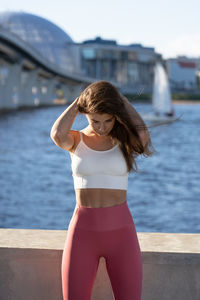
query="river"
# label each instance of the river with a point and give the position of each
(36, 186)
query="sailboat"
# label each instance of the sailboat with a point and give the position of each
(161, 99)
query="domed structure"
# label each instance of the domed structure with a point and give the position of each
(47, 38)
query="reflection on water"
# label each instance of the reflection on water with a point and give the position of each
(37, 186)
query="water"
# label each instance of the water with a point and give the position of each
(36, 186)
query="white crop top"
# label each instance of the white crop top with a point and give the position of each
(98, 169)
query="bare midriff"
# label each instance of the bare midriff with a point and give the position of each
(96, 197)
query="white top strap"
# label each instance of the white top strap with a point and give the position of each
(81, 135)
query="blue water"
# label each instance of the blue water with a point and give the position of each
(36, 186)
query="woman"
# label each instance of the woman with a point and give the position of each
(102, 154)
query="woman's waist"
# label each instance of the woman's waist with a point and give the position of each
(99, 197)
(101, 218)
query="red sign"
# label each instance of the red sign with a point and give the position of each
(187, 64)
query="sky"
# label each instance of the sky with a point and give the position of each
(172, 27)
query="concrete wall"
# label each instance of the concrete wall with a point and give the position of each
(30, 263)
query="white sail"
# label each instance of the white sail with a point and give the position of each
(163, 112)
(161, 91)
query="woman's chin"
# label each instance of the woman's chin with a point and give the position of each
(102, 134)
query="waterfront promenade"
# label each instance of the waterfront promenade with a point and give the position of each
(30, 263)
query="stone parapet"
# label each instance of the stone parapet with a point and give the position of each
(30, 266)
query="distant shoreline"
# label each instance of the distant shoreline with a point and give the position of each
(193, 102)
(180, 102)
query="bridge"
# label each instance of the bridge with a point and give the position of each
(29, 79)
(39, 64)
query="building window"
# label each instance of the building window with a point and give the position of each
(132, 72)
(88, 53)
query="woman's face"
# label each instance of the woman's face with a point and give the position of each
(101, 124)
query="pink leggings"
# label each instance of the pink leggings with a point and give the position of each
(95, 232)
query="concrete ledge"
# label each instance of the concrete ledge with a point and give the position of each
(30, 263)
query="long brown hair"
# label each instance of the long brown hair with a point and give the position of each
(102, 97)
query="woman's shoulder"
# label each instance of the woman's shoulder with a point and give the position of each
(77, 133)
(77, 138)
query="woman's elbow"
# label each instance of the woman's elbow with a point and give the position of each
(54, 134)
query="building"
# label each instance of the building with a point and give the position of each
(131, 66)
(182, 72)
(43, 36)
(37, 58)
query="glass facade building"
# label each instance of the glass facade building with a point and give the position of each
(44, 36)
(130, 65)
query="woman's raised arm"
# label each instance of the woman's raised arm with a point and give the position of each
(60, 131)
